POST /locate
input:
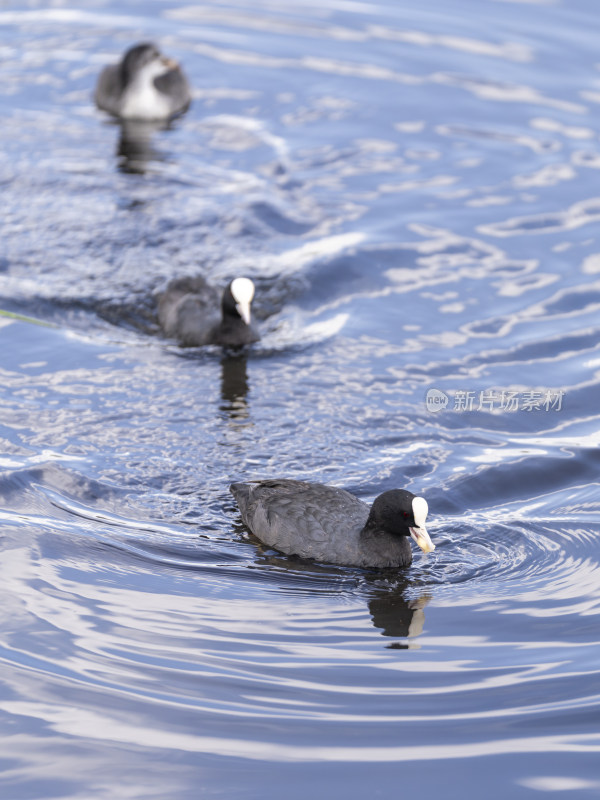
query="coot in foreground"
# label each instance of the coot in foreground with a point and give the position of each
(331, 525)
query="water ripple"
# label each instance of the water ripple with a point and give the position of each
(413, 193)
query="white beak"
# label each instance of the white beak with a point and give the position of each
(243, 309)
(421, 537)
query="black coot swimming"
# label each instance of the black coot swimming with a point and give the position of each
(191, 311)
(312, 520)
(144, 85)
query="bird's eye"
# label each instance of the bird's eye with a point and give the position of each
(405, 514)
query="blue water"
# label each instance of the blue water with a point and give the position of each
(414, 190)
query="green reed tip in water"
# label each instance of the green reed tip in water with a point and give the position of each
(24, 318)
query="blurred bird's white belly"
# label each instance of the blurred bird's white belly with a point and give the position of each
(144, 101)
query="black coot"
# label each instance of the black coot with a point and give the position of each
(312, 520)
(190, 311)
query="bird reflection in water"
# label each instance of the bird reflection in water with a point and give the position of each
(234, 386)
(396, 616)
(135, 148)
(390, 609)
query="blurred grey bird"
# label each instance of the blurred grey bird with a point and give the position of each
(144, 85)
(190, 311)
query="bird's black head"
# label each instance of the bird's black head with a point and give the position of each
(237, 299)
(136, 58)
(401, 513)
(392, 512)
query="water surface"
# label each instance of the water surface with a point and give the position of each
(414, 191)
